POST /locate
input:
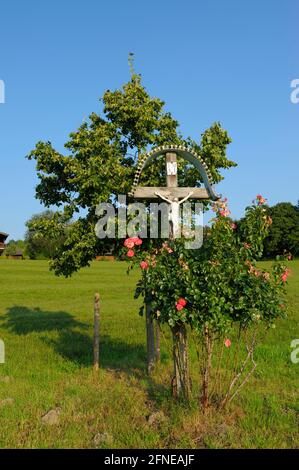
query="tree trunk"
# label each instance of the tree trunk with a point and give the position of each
(150, 340)
(181, 379)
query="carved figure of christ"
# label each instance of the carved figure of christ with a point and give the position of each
(174, 212)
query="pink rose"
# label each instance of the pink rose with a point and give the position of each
(144, 265)
(261, 200)
(227, 343)
(224, 213)
(182, 302)
(137, 241)
(129, 243)
(233, 226)
(131, 253)
(285, 275)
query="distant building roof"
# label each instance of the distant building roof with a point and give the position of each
(3, 236)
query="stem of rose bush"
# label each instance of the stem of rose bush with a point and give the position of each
(181, 377)
(208, 341)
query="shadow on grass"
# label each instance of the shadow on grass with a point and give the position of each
(72, 339)
(23, 321)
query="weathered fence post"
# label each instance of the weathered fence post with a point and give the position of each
(96, 341)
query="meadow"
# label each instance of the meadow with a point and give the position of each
(46, 324)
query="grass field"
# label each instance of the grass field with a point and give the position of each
(46, 324)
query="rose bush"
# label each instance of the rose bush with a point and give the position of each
(217, 288)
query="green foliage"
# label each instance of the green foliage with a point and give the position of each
(284, 232)
(15, 246)
(101, 162)
(212, 148)
(44, 245)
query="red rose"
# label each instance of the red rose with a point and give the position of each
(131, 253)
(182, 302)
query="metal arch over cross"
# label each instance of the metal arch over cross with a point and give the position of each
(172, 193)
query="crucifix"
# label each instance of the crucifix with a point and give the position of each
(175, 196)
(173, 199)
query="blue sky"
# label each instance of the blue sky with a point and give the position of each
(226, 61)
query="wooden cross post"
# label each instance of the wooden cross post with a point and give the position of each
(153, 343)
(180, 381)
(175, 196)
(172, 182)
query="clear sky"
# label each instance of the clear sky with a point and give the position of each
(230, 61)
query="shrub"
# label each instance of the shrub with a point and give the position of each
(218, 291)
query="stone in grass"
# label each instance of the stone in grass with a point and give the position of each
(103, 438)
(51, 417)
(157, 418)
(6, 401)
(5, 379)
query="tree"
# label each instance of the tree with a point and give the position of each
(284, 232)
(100, 164)
(42, 246)
(15, 246)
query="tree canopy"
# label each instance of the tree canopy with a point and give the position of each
(14, 247)
(40, 245)
(284, 232)
(100, 163)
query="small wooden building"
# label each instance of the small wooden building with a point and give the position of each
(17, 255)
(3, 237)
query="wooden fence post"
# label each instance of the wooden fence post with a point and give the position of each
(96, 342)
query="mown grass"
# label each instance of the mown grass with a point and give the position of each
(46, 324)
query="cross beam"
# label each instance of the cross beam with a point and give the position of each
(172, 190)
(150, 192)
